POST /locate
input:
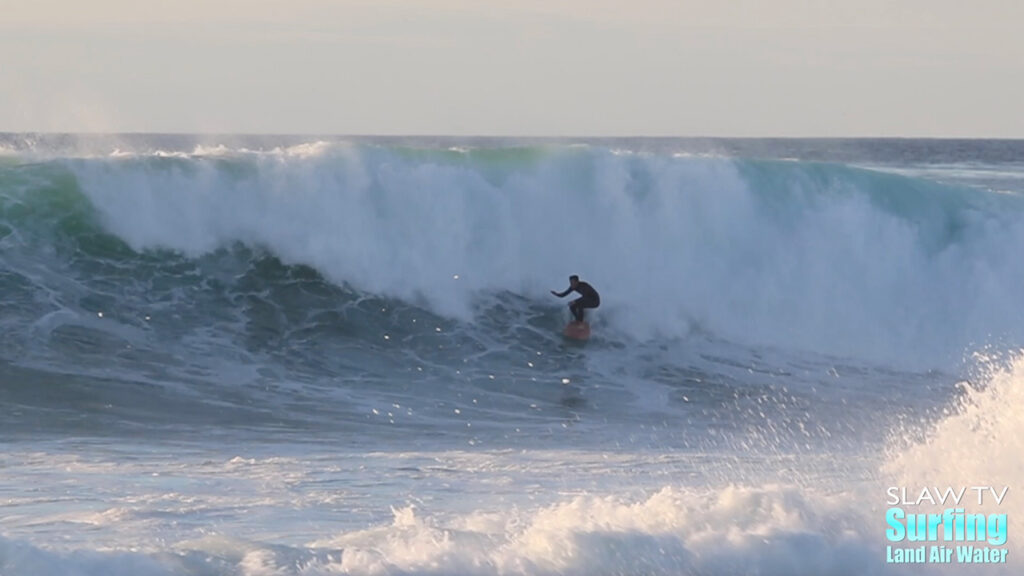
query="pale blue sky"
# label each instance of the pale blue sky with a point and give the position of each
(529, 67)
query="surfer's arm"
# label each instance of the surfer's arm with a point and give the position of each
(562, 294)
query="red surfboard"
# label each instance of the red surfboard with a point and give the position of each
(577, 330)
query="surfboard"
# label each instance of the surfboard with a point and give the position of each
(577, 330)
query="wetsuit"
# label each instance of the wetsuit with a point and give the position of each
(589, 298)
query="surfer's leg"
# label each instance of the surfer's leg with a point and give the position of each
(576, 307)
(582, 304)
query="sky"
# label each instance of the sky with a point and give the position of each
(749, 68)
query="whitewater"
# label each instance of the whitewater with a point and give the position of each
(275, 355)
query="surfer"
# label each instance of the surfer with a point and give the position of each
(589, 297)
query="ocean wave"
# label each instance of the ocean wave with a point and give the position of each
(820, 257)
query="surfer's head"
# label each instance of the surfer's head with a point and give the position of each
(574, 280)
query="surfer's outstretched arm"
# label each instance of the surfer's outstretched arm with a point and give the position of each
(562, 294)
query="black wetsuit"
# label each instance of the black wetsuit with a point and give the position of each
(589, 298)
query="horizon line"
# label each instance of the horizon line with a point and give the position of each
(493, 136)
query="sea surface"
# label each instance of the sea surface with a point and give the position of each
(301, 355)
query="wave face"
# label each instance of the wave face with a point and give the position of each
(820, 257)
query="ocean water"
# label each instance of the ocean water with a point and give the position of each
(256, 356)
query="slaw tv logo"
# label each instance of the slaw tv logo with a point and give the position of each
(960, 533)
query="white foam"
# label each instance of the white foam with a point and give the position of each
(978, 442)
(769, 530)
